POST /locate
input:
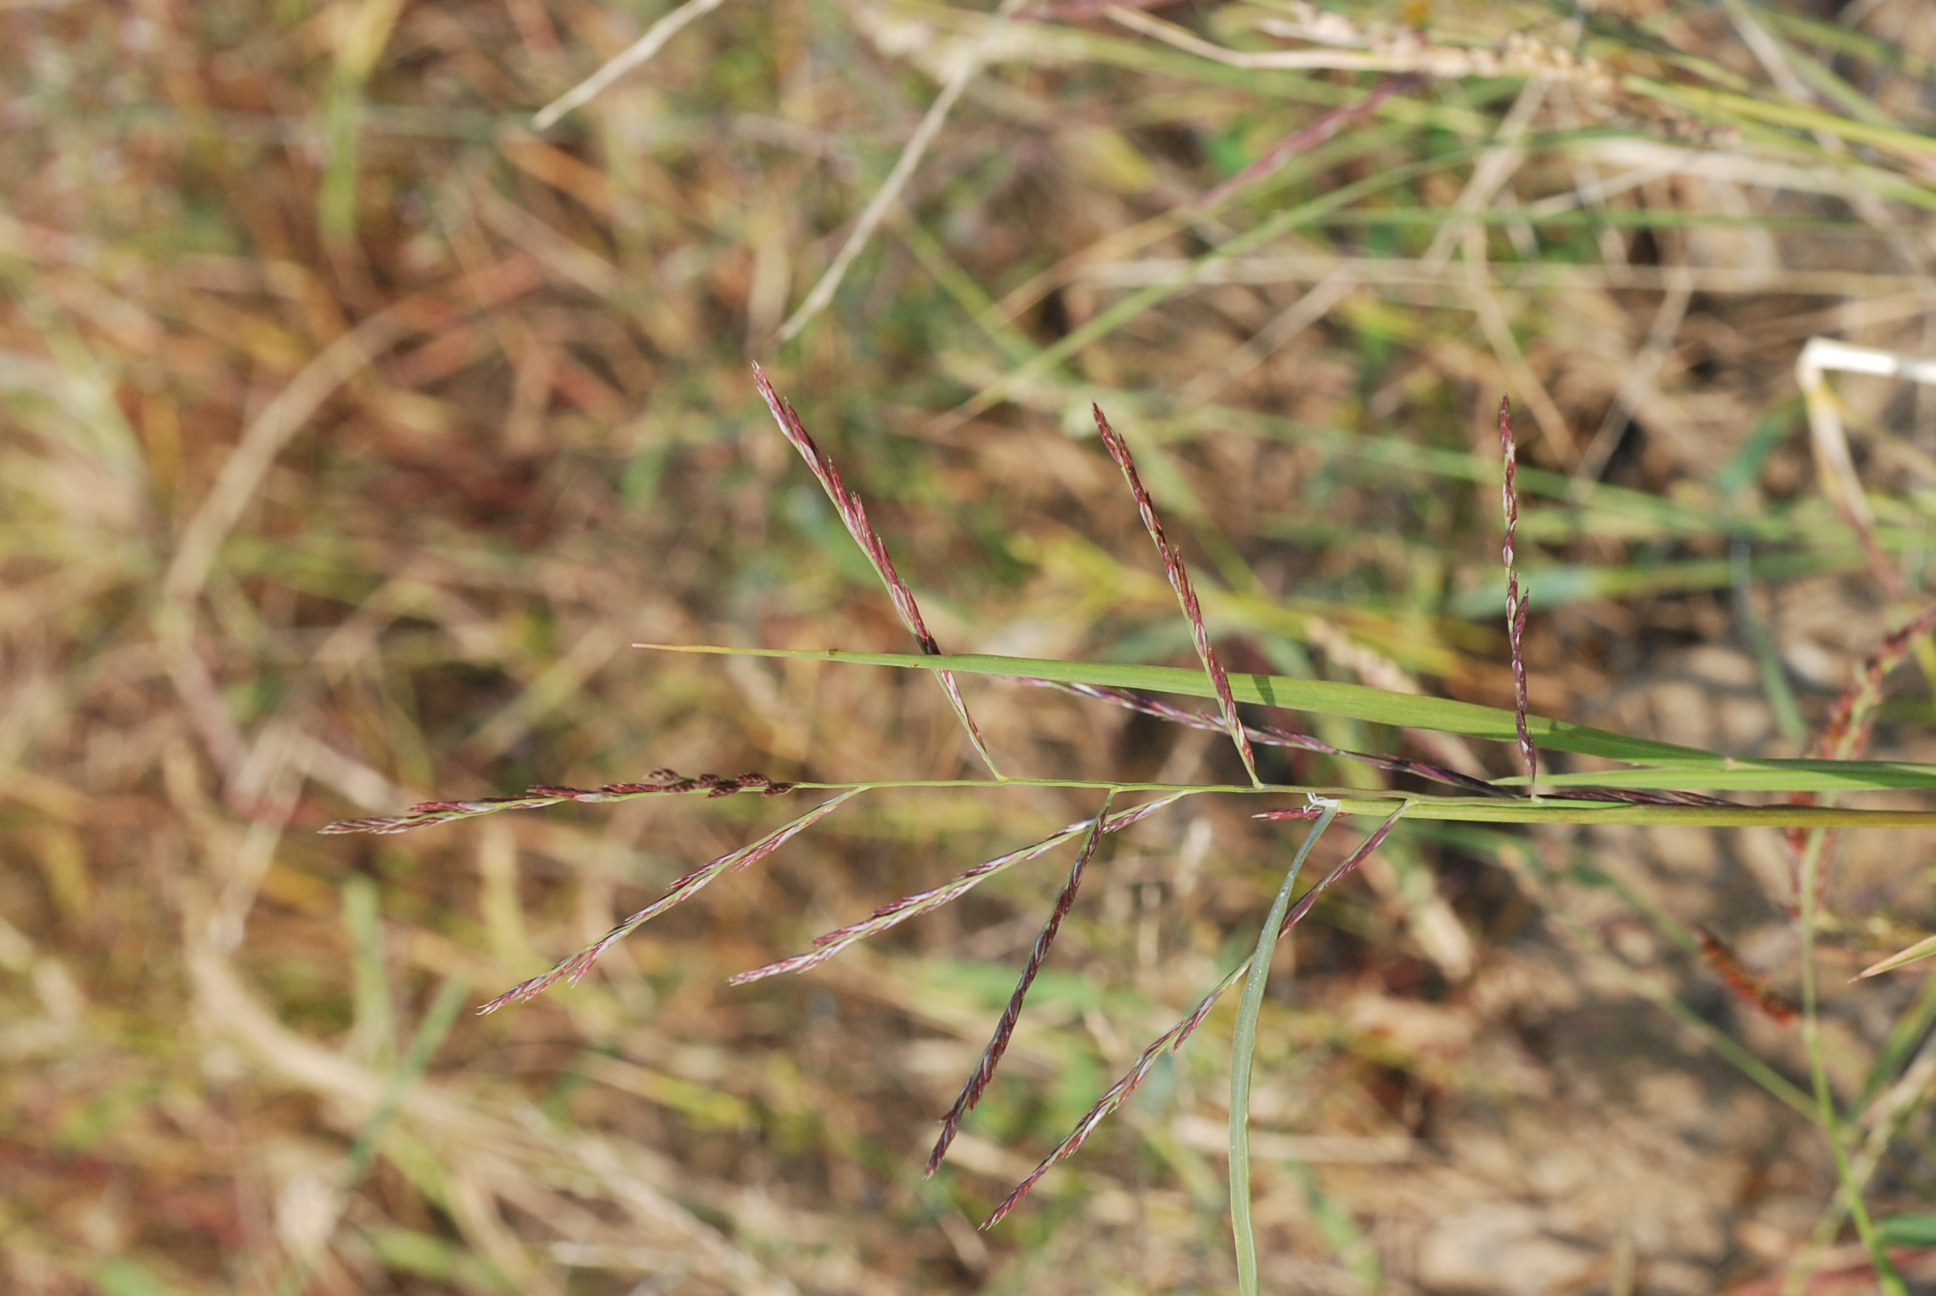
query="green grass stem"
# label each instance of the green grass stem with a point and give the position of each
(1243, 1048)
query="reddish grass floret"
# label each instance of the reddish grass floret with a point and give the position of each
(1743, 982)
(991, 1056)
(1180, 581)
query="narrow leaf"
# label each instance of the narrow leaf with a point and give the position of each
(1243, 1050)
(1362, 702)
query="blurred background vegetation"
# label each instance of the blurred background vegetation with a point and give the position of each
(354, 428)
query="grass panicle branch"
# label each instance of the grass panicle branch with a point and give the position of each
(1180, 581)
(991, 1057)
(658, 783)
(888, 916)
(1272, 736)
(1515, 600)
(574, 968)
(1343, 870)
(1847, 732)
(1174, 1037)
(854, 515)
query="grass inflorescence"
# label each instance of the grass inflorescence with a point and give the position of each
(375, 373)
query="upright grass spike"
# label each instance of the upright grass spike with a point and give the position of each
(991, 1057)
(854, 515)
(892, 915)
(664, 781)
(1174, 1037)
(1180, 581)
(1515, 601)
(574, 968)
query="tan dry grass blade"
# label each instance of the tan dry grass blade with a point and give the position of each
(1180, 581)
(890, 191)
(1922, 949)
(1830, 443)
(637, 53)
(266, 435)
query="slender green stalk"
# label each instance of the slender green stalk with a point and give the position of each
(1244, 1046)
(1887, 1279)
(430, 1032)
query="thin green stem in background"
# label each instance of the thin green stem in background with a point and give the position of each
(1887, 1279)
(1243, 1047)
(430, 1033)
